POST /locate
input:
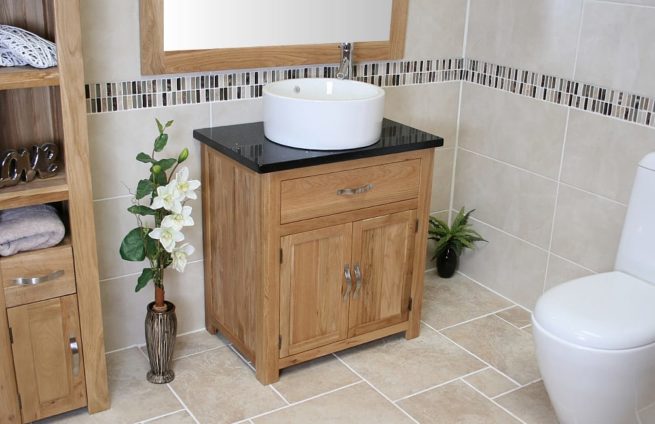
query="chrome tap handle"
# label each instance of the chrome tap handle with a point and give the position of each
(345, 70)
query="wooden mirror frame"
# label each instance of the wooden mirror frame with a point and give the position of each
(156, 61)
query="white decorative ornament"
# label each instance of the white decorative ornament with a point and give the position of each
(19, 48)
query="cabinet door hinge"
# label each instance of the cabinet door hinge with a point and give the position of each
(281, 255)
(11, 336)
(416, 228)
(279, 342)
(409, 307)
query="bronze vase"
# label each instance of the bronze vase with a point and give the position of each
(161, 329)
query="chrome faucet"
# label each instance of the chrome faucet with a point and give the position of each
(346, 64)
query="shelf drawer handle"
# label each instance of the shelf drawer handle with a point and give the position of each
(358, 280)
(33, 281)
(75, 353)
(354, 191)
(349, 281)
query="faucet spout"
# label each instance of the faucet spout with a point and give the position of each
(345, 70)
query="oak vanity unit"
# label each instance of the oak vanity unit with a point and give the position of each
(310, 252)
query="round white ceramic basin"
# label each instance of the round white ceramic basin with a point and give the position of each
(323, 113)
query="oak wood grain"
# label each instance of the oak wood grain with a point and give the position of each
(26, 77)
(9, 410)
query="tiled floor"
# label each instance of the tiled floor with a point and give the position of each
(473, 363)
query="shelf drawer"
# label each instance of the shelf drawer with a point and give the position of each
(51, 269)
(342, 191)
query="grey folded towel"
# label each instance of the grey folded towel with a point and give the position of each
(29, 228)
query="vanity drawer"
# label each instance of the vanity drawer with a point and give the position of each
(342, 191)
(51, 269)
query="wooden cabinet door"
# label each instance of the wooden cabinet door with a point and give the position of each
(313, 288)
(383, 255)
(48, 357)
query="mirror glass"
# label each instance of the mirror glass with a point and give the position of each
(221, 24)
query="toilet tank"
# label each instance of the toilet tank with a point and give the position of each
(636, 255)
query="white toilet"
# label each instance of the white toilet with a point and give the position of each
(595, 336)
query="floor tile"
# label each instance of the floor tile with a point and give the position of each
(454, 403)
(502, 345)
(516, 316)
(531, 404)
(313, 378)
(218, 387)
(355, 404)
(133, 398)
(181, 417)
(400, 367)
(450, 301)
(490, 382)
(197, 342)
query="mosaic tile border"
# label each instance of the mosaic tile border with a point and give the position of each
(227, 86)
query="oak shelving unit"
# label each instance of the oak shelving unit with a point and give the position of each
(51, 333)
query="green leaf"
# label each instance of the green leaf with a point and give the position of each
(132, 248)
(144, 188)
(152, 247)
(141, 210)
(184, 154)
(146, 276)
(166, 164)
(169, 123)
(145, 158)
(160, 142)
(160, 127)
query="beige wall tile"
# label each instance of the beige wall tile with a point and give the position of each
(587, 229)
(454, 403)
(218, 388)
(560, 271)
(110, 39)
(490, 382)
(124, 311)
(602, 154)
(450, 301)
(616, 47)
(531, 404)
(429, 262)
(519, 130)
(400, 367)
(355, 404)
(500, 344)
(507, 265)
(435, 29)
(236, 112)
(442, 179)
(429, 107)
(538, 35)
(513, 200)
(116, 138)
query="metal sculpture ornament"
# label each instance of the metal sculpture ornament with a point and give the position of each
(26, 164)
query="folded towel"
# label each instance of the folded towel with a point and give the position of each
(29, 228)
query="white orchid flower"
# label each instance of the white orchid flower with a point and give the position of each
(178, 219)
(167, 237)
(184, 187)
(180, 256)
(168, 198)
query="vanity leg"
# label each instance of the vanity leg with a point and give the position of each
(211, 329)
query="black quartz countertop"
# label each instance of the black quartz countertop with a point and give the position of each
(247, 144)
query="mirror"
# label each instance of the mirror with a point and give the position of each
(190, 36)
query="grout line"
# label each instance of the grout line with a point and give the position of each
(179, 399)
(573, 263)
(440, 385)
(277, 392)
(470, 320)
(515, 389)
(647, 6)
(512, 324)
(122, 349)
(577, 44)
(474, 355)
(105, 199)
(466, 28)
(161, 416)
(453, 173)
(138, 273)
(494, 402)
(493, 291)
(199, 353)
(245, 361)
(375, 388)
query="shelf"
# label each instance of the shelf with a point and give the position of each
(36, 192)
(27, 77)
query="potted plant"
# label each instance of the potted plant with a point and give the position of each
(451, 241)
(161, 215)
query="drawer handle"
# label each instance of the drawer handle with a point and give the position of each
(33, 281)
(358, 280)
(349, 281)
(354, 191)
(75, 353)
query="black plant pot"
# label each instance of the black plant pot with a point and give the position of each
(447, 263)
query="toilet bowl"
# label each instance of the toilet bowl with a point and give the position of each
(595, 336)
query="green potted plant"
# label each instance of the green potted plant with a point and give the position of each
(161, 215)
(451, 241)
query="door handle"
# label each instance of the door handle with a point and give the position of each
(75, 355)
(358, 281)
(33, 281)
(354, 191)
(349, 281)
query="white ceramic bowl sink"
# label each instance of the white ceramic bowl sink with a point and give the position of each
(323, 113)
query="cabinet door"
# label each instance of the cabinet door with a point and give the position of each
(48, 357)
(383, 252)
(313, 288)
